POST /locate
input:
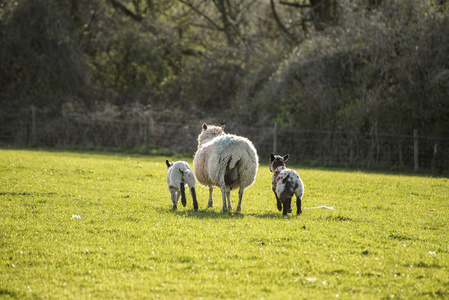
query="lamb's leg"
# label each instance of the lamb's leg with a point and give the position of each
(289, 203)
(183, 193)
(193, 193)
(239, 206)
(298, 205)
(278, 201)
(285, 208)
(210, 203)
(228, 196)
(174, 197)
(177, 196)
(285, 199)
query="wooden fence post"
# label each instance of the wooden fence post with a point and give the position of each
(415, 150)
(434, 157)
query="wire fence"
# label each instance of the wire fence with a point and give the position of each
(351, 149)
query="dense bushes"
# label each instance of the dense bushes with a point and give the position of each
(379, 69)
(40, 62)
(349, 66)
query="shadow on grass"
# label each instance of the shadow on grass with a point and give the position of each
(206, 213)
(209, 213)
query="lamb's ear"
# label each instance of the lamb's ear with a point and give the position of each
(223, 126)
(169, 164)
(286, 157)
(271, 161)
(204, 126)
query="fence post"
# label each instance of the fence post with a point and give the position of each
(275, 137)
(415, 150)
(63, 141)
(434, 157)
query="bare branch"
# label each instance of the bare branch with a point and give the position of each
(278, 21)
(118, 6)
(294, 4)
(201, 14)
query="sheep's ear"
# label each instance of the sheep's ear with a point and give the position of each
(286, 157)
(204, 126)
(169, 164)
(223, 126)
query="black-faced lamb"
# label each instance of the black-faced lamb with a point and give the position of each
(178, 175)
(285, 183)
(224, 160)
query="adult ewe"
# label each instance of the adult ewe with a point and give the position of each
(178, 175)
(285, 183)
(224, 160)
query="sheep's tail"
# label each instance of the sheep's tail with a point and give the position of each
(233, 162)
(231, 175)
(246, 165)
(249, 155)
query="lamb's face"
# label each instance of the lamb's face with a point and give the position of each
(277, 161)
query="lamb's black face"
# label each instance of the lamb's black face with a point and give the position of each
(278, 161)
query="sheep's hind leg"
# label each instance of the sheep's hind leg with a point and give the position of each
(210, 203)
(223, 194)
(228, 196)
(239, 206)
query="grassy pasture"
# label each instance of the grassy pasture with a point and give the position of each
(79, 225)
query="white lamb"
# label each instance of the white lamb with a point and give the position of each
(224, 160)
(285, 183)
(179, 174)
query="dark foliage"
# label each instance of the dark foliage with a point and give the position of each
(354, 66)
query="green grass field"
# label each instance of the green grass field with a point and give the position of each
(92, 225)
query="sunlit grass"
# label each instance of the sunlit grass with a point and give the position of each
(76, 225)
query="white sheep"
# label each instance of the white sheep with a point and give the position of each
(178, 175)
(224, 160)
(285, 183)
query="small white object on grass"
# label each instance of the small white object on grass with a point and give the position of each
(322, 206)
